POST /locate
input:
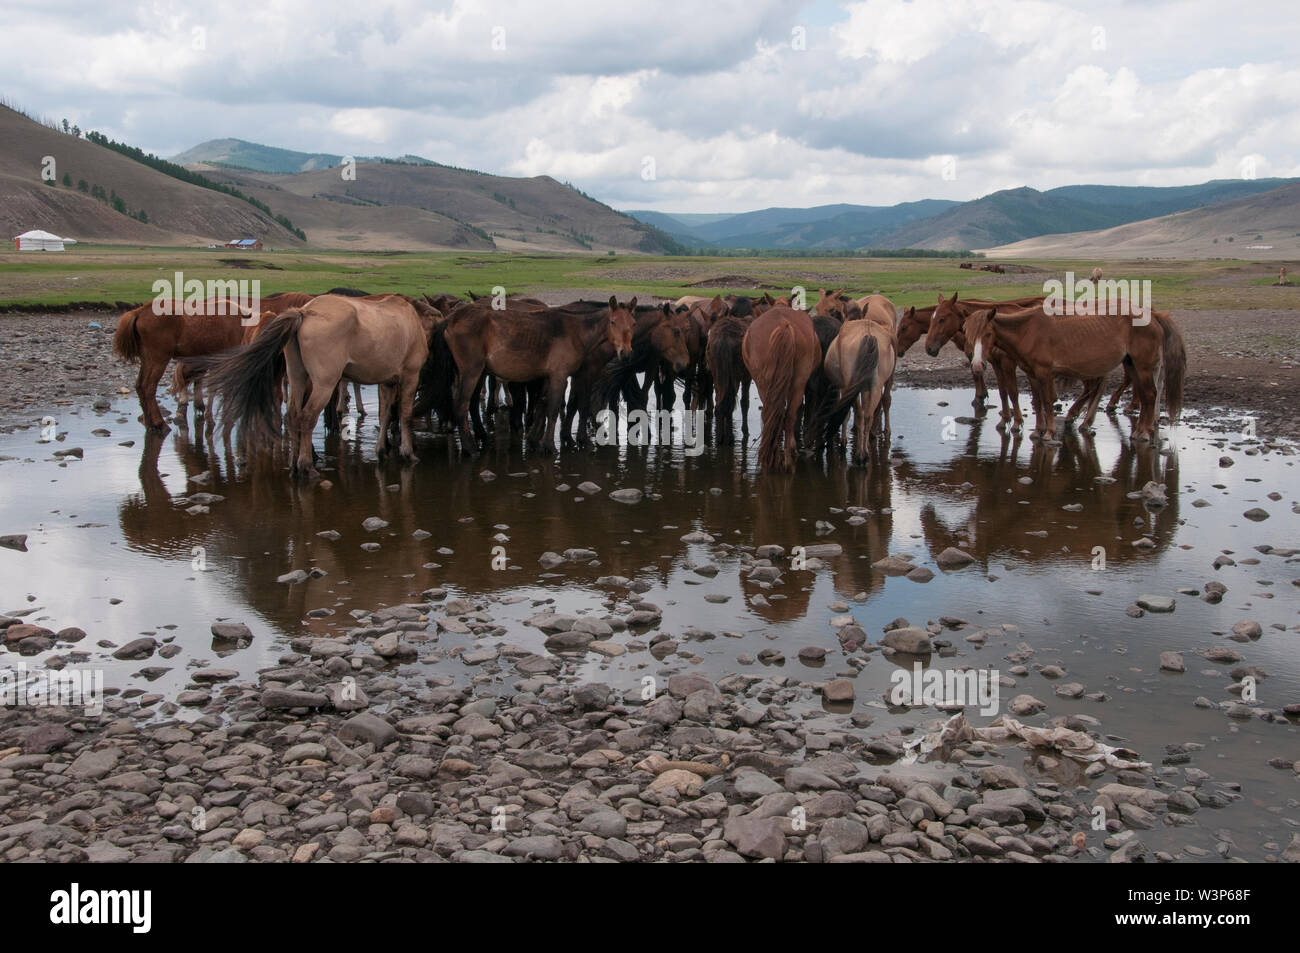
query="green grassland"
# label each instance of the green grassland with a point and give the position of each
(106, 273)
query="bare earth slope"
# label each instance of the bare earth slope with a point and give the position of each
(178, 213)
(1226, 230)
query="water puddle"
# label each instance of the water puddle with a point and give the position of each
(120, 545)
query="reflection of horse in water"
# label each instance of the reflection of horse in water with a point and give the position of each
(784, 511)
(965, 503)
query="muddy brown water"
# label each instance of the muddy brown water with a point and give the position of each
(114, 526)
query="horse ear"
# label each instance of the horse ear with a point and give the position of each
(613, 303)
(631, 305)
(941, 299)
(911, 312)
(954, 298)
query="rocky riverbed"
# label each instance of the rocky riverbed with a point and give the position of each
(340, 751)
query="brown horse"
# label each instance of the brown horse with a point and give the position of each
(375, 340)
(780, 351)
(1085, 347)
(155, 336)
(520, 345)
(726, 367)
(659, 350)
(947, 320)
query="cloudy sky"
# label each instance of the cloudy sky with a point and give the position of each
(695, 106)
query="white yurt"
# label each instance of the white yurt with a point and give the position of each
(36, 240)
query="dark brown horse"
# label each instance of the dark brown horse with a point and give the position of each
(519, 345)
(726, 367)
(780, 351)
(659, 350)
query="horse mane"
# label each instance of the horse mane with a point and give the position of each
(348, 292)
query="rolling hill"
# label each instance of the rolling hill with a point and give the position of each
(995, 219)
(155, 208)
(114, 193)
(1227, 229)
(395, 205)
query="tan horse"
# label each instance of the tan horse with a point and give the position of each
(380, 340)
(1085, 347)
(780, 351)
(860, 366)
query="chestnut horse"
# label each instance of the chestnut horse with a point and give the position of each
(780, 351)
(947, 319)
(1086, 347)
(383, 339)
(519, 345)
(155, 339)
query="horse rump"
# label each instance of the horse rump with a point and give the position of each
(126, 340)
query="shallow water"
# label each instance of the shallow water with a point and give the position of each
(114, 526)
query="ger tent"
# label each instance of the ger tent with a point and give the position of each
(37, 240)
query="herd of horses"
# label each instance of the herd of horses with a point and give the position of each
(561, 366)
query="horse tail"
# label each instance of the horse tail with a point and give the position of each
(1175, 360)
(434, 390)
(861, 378)
(780, 395)
(126, 342)
(245, 379)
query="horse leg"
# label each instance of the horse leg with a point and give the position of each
(386, 403)
(405, 407)
(1124, 385)
(554, 403)
(476, 416)
(981, 390)
(146, 388)
(861, 429)
(361, 407)
(307, 417)
(1049, 407)
(1144, 389)
(788, 447)
(744, 404)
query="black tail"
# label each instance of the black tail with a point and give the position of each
(832, 414)
(244, 380)
(437, 377)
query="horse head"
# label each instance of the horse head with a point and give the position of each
(622, 321)
(910, 329)
(669, 339)
(943, 324)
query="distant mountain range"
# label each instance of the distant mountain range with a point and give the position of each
(997, 219)
(230, 188)
(1263, 226)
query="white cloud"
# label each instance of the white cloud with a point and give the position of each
(1022, 92)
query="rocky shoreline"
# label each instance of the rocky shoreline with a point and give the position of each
(338, 752)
